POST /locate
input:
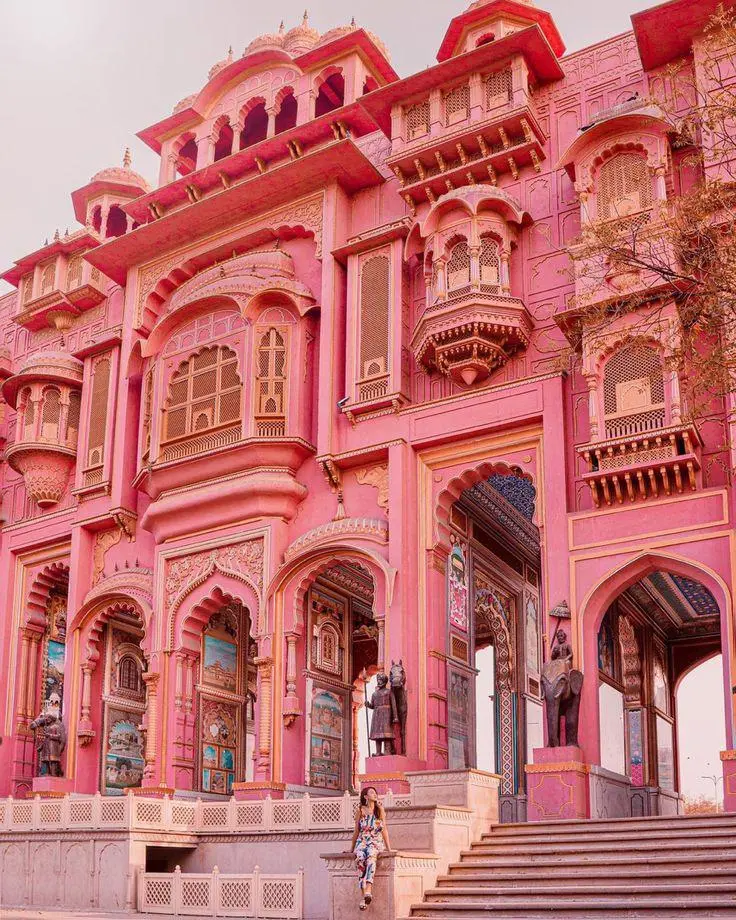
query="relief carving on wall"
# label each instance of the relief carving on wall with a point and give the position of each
(376, 476)
(104, 540)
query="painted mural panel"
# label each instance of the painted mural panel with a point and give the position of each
(53, 681)
(457, 574)
(665, 754)
(607, 649)
(220, 668)
(219, 734)
(532, 635)
(326, 740)
(459, 720)
(636, 747)
(124, 761)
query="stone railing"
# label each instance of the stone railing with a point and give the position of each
(214, 894)
(183, 816)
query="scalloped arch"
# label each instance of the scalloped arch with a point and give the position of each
(215, 592)
(52, 576)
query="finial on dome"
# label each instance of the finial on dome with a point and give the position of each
(56, 234)
(230, 53)
(305, 18)
(127, 159)
(282, 27)
(352, 21)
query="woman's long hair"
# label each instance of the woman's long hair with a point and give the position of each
(378, 810)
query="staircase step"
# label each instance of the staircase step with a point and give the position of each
(586, 876)
(547, 894)
(573, 825)
(705, 845)
(583, 836)
(564, 909)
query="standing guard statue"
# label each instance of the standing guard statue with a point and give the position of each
(561, 685)
(50, 738)
(397, 680)
(385, 715)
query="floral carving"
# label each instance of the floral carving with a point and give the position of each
(376, 476)
(104, 541)
(242, 560)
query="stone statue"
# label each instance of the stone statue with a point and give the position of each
(397, 679)
(561, 685)
(385, 716)
(50, 741)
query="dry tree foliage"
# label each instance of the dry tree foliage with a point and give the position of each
(682, 250)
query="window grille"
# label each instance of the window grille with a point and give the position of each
(47, 277)
(458, 266)
(72, 424)
(457, 104)
(29, 414)
(498, 88)
(633, 391)
(129, 674)
(490, 265)
(417, 120)
(204, 393)
(624, 186)
(98, 413)
(74, 273)
(50, 413)
(271, 383)
(375, 279)
(27, 288)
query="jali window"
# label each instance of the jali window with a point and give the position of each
(271, 382)
(633, 391)
(204, 393)
(624, 186)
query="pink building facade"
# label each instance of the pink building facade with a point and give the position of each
(325, 400)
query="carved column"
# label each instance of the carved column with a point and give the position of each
(435, 110)
(149, 772)
(179, 683)
(440, 278)
(474, 252)
(271, 130)
(592, 381)
(86, 710)
(357, 705)
(264, 666)
(660, 185)
(291, 701)
(675, 396)
(381, 624)
(505, 273)
(22, 705)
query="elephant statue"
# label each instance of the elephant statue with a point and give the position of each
(561, 685)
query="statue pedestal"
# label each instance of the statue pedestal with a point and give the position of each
(728, 759)
(557, 784)
(52, 786)
(389, 772)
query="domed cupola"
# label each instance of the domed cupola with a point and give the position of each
(221, 65)
(46, 392)
(98, 203)
(269, 41)
(301, 38)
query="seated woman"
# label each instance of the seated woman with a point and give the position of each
(370, 839)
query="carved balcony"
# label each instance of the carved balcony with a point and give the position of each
(471, 333)
(640, 466)
(46, 394)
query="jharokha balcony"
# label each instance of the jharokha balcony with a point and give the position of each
(644, 464)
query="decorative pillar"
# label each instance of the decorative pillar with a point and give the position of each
(584, 212)
(675, 397)
(592, 381)
(179, 683)
(660, 185)
(151, 720)
(474, 252)
(205, 151)
(476, 91)
(264, 666)
(271, 130)
(440, 279)
(505, 273)
(435, 110)
(291, 701)
(357, 705)
(21, 708)
(381, 624)
(34, 645)
(85, 732)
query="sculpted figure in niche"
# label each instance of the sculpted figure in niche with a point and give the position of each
(385, 716)
(397, 679)
(561, 685)
(50, 739)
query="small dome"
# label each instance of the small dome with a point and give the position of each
(264, 42)
(184, 103)
(122, 175)
(333, 34)
(220, 65)
(52, 364)
(301, 38)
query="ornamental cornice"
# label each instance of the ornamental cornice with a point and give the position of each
(365, 528)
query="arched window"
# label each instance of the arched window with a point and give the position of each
(50, 413)
(129, 675)
(624, 186)
(417, 120)
(375, 303)
(271, 383)
(255, 127)
(204, 393)
(47, 277)
(498, 88)
(490, 264)
(97, 218)
(74, 273)
(72, 424)
(26, 414)
(186, 156)
(224, 142)
(458, 266)
(331, 95)
(117, 222)
(633, 391)
(286, 115)
(457, 104)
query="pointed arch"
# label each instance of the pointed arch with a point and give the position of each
(52, 577)
(194, 610)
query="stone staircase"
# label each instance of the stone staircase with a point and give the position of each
(593, 870)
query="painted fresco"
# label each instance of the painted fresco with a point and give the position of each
(220, 667)
(606, 649)
(53, 682)
(532, 635)
(124, 760)
(219, 734)
(457, 574)
(326, 740)
(459, 720)
(636, 747)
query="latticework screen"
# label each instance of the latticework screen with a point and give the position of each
(28, 413)
(498, 88)
(271, 382)
(457, 104)
(633, 391)
(417, 120)
(72, 423)
(204, 393)
(147, 411)
(98, 413)
(458, 266)
(624, 186)
(375, 293)
(50, 413)
(47, 277)
(74, 273)
(26, 289)
(490, 264)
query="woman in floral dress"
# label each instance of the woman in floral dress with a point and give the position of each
(370, 839)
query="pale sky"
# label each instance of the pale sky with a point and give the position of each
(78, 78)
